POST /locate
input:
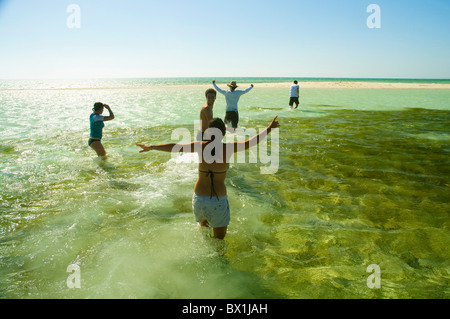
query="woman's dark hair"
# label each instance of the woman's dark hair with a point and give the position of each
(220, 125)
(210, 91)
(97, 106)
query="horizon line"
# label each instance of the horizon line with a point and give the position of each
(227, 77)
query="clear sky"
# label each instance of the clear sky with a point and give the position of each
(212, 38)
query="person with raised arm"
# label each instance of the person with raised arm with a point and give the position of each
(232, 97)
(210, 199)
(96, 120)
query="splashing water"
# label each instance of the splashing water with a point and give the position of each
(363, 179)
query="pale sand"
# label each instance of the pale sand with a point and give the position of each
(351, 85)
(303, 85)
(326, 85)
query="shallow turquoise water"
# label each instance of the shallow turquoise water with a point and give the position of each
(362, 179)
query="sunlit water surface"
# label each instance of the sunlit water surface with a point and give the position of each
(363, 179)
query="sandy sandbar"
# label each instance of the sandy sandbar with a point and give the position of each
(303, 85)
(354, 85)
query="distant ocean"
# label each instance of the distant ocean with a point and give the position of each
(363, 179)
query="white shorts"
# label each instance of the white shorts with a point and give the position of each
(215, 211)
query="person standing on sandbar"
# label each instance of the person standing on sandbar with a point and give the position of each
(96, 119)
(232, 98)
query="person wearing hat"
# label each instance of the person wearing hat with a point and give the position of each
(232, 98)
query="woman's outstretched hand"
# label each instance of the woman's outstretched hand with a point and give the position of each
(145, 148)
(274, 123)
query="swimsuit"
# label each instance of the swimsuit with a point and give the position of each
(211, 175)
(97, 125)
(92, 140)
(216, 212)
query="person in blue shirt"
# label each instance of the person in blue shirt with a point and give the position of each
(232, 98)
(96, 121)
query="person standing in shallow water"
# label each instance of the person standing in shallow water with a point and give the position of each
(210, 199)
(232, 97)
(206, 112)
(96, 122)
(294, 95)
